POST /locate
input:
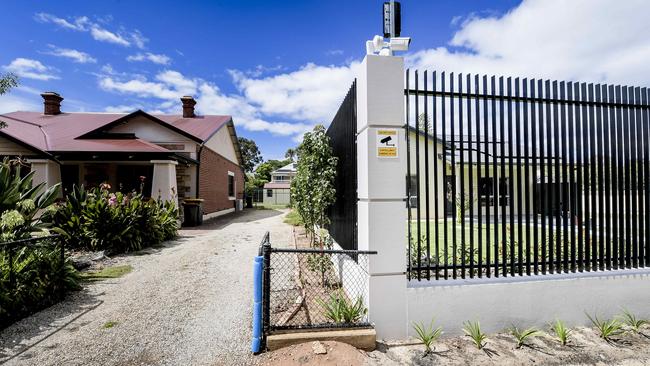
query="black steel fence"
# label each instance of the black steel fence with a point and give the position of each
(312, 288)
(343, 138)
(518, 177)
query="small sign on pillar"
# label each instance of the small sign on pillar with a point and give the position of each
(387, 143)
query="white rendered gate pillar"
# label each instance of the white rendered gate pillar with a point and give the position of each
(163, 185)
(381, 190)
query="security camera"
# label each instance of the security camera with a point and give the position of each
(400, 43)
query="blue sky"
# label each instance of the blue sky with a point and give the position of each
(279, 67)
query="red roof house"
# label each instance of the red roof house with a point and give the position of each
(168, 157)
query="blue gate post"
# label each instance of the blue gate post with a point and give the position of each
(266, 289)
(256, 345)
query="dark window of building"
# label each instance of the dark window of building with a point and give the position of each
(413, 180)
(504, 194)
(486, 191)
(269, 193)
(231, 186)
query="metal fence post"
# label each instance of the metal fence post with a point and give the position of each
(62, 268)
(266, 289)
(11, 266)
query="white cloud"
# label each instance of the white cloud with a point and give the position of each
(30, 69)
(312, 93)
(123, 108)
(159, 59)
(74, 55)
(588, 40)
(97, 31)
(103, 35)
(12, 103)
(78, 24)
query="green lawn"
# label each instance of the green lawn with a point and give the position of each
(478, 232)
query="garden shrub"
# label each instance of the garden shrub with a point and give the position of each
(99, 220)
(39, 277)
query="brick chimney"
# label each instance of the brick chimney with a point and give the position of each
(188, 106)
(51, 103)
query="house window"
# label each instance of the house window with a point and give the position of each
(413, 198)
(269, 193)
(504, 194)
(231, 184)
(486, 191)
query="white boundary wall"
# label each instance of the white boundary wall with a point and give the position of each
(395, 303)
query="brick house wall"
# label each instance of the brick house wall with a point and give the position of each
(213, 181)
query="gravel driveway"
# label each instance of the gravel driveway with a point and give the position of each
(188, 303)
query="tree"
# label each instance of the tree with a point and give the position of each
(264, 170)
(250, 154)
(290, 154)
(312, 189)
(7, 82)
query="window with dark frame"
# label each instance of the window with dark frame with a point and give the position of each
(504, 192)
(269, 193)
(486, 191)
(231, 186)
(414, 189)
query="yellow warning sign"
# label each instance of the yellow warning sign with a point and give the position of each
(387, 144)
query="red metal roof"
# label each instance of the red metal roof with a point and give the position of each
(61, 132)
(277, 185)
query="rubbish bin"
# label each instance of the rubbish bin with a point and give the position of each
(192, 211)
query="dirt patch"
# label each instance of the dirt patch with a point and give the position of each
(309, 354)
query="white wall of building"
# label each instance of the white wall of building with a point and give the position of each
(8, 147)
(221, 143)
(153, 132)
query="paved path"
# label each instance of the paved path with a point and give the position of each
(188, 303)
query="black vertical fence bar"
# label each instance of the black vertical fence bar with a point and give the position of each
(408, 173)
(471, 177)
(527, 181)
(517, 142)
(436, 234)
(495, 180)
(426, 173)
(598, 143)
(566, 206)
(611, 175)
(479, 173)
(639, 173)
(10, 258)
(454, 244)
(533, 180)
(460, 200)
(634, 180)
(444, 172)
(626, 166)
(557, 181)
(417, 175)
(646, 171)
(606, 180)
(585, 169)
(511, 176)
(592, 183)
(619, 179)
(572, 165)
(488, 199)
(579, 178)
(542, 172)
(503, 192)
(549, 185)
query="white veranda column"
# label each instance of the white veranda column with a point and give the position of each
(45, 171)
(381, 168)
(163, 185)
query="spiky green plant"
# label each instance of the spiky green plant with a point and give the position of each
(473, 330)
(632, 321)
(608, 328)
(341, 310)
(523, 335)
(561, 331)
(427, 335)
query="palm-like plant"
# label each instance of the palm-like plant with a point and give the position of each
(632, 321)
(561, 331)
(341, 310)
(608, 328)
(523, 335)
(427, 335)
(473, 330)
